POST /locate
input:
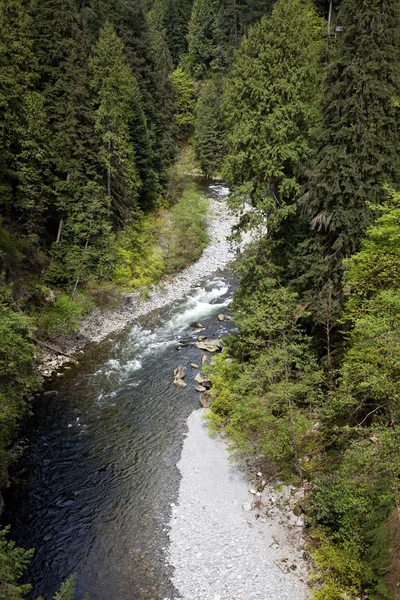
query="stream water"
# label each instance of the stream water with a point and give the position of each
(99, 480)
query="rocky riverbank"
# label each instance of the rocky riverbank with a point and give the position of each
(99, 324)
(229, 541)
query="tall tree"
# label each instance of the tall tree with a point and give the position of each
(172, 16)
(148, 57)
(23, 124)
(270, 105)
(358, 143)
(202, 36)
(115, 86)
(209, 132)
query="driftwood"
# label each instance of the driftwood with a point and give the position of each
(52, 348)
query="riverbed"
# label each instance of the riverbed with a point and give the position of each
(94, 495)
(99, 493)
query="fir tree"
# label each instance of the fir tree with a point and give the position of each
(202, 36)
(22, 122)
(172, 16)
(115, 86)
(185, 102)
(358, 141)
(270, 105)
(209, 133)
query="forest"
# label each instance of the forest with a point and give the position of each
(296, 105)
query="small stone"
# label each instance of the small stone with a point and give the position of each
(179, 373)
(252, 491)
(246, 506)
(203, 359)
(200, 338)
(259, 474)
(200, 388)
(196, 325)
(205, 399)
(221, 317)
(300, 521)
(180, 383)
(194, 366)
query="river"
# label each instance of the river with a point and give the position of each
(99, 481)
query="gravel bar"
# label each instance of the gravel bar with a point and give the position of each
(218, 548)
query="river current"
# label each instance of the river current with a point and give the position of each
(94, 493)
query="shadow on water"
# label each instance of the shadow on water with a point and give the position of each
(101, 474)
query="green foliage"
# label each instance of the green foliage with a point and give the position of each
(270, 106)
(185, 101)
(115, 86)
(340, 571)
(139, 262)
(202, 44)
(13, 562)
(353, 503)
(272, 391)
(376, 266)
(17, 379)
(358, 140)
(187, 235)
(67, 590)
(209, 132)
(62, 317)
(172, 16)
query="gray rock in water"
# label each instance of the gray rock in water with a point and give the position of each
(200, 388)
(210, 346)
(180, 383)
(179, 373)
(197, 325)
(221, 317)
(200, 377)
(200, 338)
(194, 366)
(203, 359)
(206, 399)
(203, 380)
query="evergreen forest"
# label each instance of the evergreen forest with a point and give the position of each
(296, 105)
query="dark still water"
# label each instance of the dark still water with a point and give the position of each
(97, 487)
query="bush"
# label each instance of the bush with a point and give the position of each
(138, 261)
(17, 380)
(186, 236)
(63, 316)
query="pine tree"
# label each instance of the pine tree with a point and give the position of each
(172, 16)
(358, 141)
(233, 19)
(148, 58)
(270, 105)
(185, 102)
(115, 86)
(23, 127)
(202, 43)
(209, 133)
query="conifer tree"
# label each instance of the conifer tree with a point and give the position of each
(202, 36)
(270, 105)
(172, 16)
(185, 101)
(209, 133)
(115, 86)
(358, 144)
(22, 121)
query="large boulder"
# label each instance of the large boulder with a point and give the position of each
(210, 345)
